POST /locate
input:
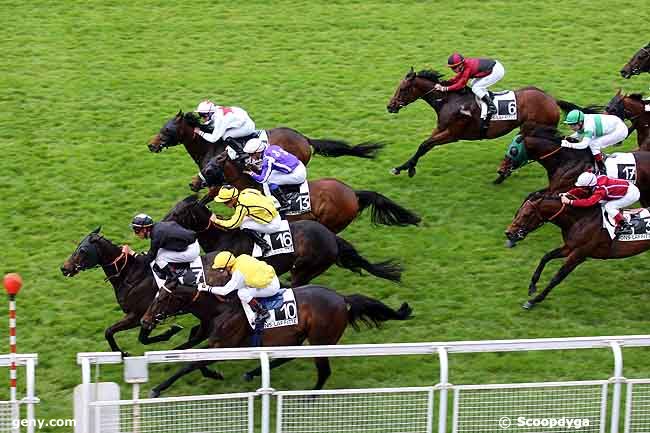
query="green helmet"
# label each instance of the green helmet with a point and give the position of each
(574, 116)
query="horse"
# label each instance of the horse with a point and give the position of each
(316, 248)
(323, 316)
(180, 129)
(459, 114)
(134, 287)
(633, 108)
(583, 236)
(333, 203)
(640, 62)
(563, 165)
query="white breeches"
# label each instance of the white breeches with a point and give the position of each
(274, 226)
(167, 256)
(612, 207)
(242, 129)
(619, 134)
(480, 85)
(296, 177)
(247, 294)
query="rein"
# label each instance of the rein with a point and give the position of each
(125, 254)
(552, 152)
(539, 214)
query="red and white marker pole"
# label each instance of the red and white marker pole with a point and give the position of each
(13, 283)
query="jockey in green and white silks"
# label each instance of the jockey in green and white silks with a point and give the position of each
(595, 131)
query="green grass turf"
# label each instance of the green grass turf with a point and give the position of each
(84, 85)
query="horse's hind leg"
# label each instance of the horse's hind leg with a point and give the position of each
(324, 371)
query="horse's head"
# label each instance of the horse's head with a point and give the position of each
(412, 87)
(168, 302)
(86, 256)
(212, 175)
(178, 129)
(190, 213)
(640, 62)
(532, 214)
(616, 106)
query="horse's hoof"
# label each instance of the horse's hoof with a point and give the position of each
(154, 393)
(247, 377)
(125, 354)
(528, 305)
(395, 171)
(411, 171)
(213, 375)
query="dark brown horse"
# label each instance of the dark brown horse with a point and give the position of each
(323, 316)
(583, 234)
(633, 108)
(563, 165)
(180, 129)
(640, 62)
(333, 203)
(134, 287)
(459, 114)
(316, 248)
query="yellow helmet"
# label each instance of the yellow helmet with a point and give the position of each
(226, 193)
(225, 259)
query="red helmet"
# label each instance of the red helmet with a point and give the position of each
(455, 59)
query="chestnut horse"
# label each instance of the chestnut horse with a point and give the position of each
(323, 316)
(316, 248)
(583, 234)
(333, 203)
(180, 129)
(640, 62)
(563, 165)
(633, 108)
(459, 114)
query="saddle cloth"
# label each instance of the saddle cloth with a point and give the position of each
(281, 242)
(283, 310)
(506, 103)
(621, 166)
(194, 275)
(639, 219)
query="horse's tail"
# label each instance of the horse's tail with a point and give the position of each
(336, 148)
(349, 258)
(567, 106)
(384, 210)
(373, 312)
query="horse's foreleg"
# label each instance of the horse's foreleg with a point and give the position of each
(555, 254)
(249, 375)
(197, 335)
(129, 321)
(145, 339)
(437, 138)
(186, 369)
(570, 264)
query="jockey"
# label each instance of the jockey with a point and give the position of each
(617, 193)
(278, 167)
(254, 213)
(250, 277)
(595, 131)
(170, 244)
(484, 72)
(226, 123)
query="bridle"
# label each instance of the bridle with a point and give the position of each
(158, 318)
(538, 213)
(636, 70)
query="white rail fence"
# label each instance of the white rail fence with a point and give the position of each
(21, 411)
(586, 406)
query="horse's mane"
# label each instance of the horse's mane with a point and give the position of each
(537, 130)
(636, 97)
(430, 75)
(191, 118)
(180, 205)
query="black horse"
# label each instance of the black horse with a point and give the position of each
(640, 62)
(315, 247)
(323, 316)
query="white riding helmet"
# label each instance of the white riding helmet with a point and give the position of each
(254, 145)
(206, 107)
(586, 179)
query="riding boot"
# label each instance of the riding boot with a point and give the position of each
(162, 273)
(259, 240)
(281, 197)
(600, 163)
(261, 313)
(623, 228)
(491, 108)
(237, 147)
